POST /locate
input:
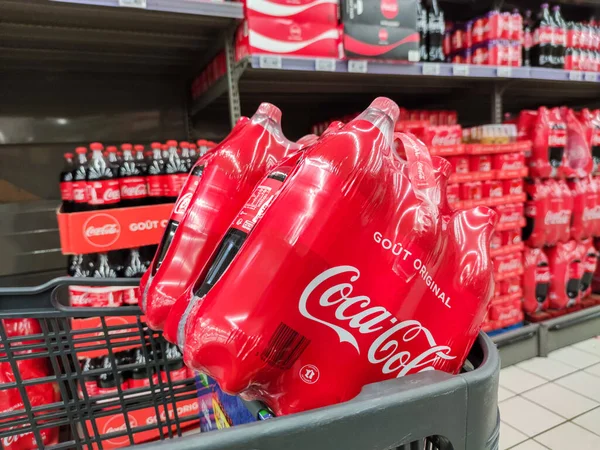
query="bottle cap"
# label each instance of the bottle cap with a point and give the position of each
(68, 155)
(156, 145)
(201, 142)
(126, 146)
(388, 106)
(164, 147)
(80, 150)
(138, 148)
(271, 111)
(96, 146)
(192, 145)
(184, 144)
(172, 143)
(111, 149)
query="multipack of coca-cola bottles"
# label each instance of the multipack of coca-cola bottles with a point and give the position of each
(104, 178)
(130, 263)
(431, 27)
(287, 262)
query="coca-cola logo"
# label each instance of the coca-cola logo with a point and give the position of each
(512, 166)
(383, 35)
(111, 195)
(591, 213)
(393, 341)
(10, 440)
(444, 140)
(116, 424)
(101, 230)
(389, 8)
(509, 266)
(138, 190)
(182, 204)
(542, 275)
(558, 218)
(512, 217)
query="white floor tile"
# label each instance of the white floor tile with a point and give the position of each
(527, 417)
(594, 370)
(560, 400)
(590, 421)
(509, 436)
(575, 357)
(547, 368)
(590, 346)
(530, 445)
(569, 437)
(518, 380)
(504, 394)
(583, 383)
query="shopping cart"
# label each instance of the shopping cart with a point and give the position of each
(427, 411)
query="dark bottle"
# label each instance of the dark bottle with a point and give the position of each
(174, 365)
(436, 27)
(79, 183)
(175, 172)
(422, 30)
(112, 157)
(156, 175)
(242, 226)
(90, 382)
(542, 52)
(66, 184)
(527, 38)
(108, 383)
(185, 155)
(559, 39)
(179, 210)
(140, 376)
(102, 180)
(105, 268)
(132, 180)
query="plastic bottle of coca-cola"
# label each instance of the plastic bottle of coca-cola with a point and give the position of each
(102, 180)
(107, 383)
(156, 175)
(132, 179)
(436, 26)
(66, 184)
(90, 382)
(103, 268)
(559, 39)
(542, 50)
(79, 183)
(135, 267)
(527, 38)
(185, 155)
(422, 30)
(175, 171)
(193, 153)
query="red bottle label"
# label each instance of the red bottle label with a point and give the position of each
(256, 205)
(172, 185)
(105, 192)
(543, 35)
(138, 383)
(131, 296)
(191, 183)
(155, 185)
(133, 188)
(79, 189)
(66, 191)
(78, 297)
(91, 388)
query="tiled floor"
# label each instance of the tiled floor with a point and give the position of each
(552, 403)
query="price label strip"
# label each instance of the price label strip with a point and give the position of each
(133, 3)
(431, 69)
(357, 66)
(325, 64)
(574, 75)
(269, 62)
(504, 72)
(590, 76)
(460, 70)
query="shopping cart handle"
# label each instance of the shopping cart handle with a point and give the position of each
(35, 300)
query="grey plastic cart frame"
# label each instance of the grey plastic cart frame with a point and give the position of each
(427, 411)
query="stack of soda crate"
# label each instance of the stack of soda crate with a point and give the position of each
(488, 166)
(562, 210)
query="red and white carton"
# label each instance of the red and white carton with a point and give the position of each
(511, 237)
(492, 188)
(287, 37)
(510, 213)
(460, 164)
(453, 193)
(472, 190)
(505, 264)
(508, 161)
(445, 136)
(511, 286)
(513, 187)
(301, 11)
(496, 243)
(480, 163)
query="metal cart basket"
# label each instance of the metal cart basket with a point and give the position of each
(427, 411)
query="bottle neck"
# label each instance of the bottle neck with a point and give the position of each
(97, 154)
(157, 153)
(127, 156)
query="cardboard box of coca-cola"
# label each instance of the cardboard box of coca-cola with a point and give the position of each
(382, 13)
(377, 42)
(86, 329)
(442, 136)
(112, 229)
(287, 37)
(301, 11)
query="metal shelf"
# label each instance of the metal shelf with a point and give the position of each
(167, 36)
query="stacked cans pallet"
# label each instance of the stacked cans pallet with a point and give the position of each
(562, 210)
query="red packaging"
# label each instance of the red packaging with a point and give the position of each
(537, 207)
(549, 136)
(328, 276)
(492, 53)
(567, 270)
(472, 190)
(460, 164)
(513, 187)
(516, 26)
(457, 40)
(511, 237)
(566, 212)
(515, 54)
(452, 118)
(442, 135)
(480, 163)
(453, 193)
(229, 175)
(496, 242)
(589, 259)
(443, 118)
(287, 37)
(536, 280)
(477, 32)
(592, 207)
(510, 213)
(577, 156)
(511, 286)
(505, 264)
(591, 123)
(492, 189)
(302, 11)
(581, 225)
(508, 161)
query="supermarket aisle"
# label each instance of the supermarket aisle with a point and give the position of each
(552, 403)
